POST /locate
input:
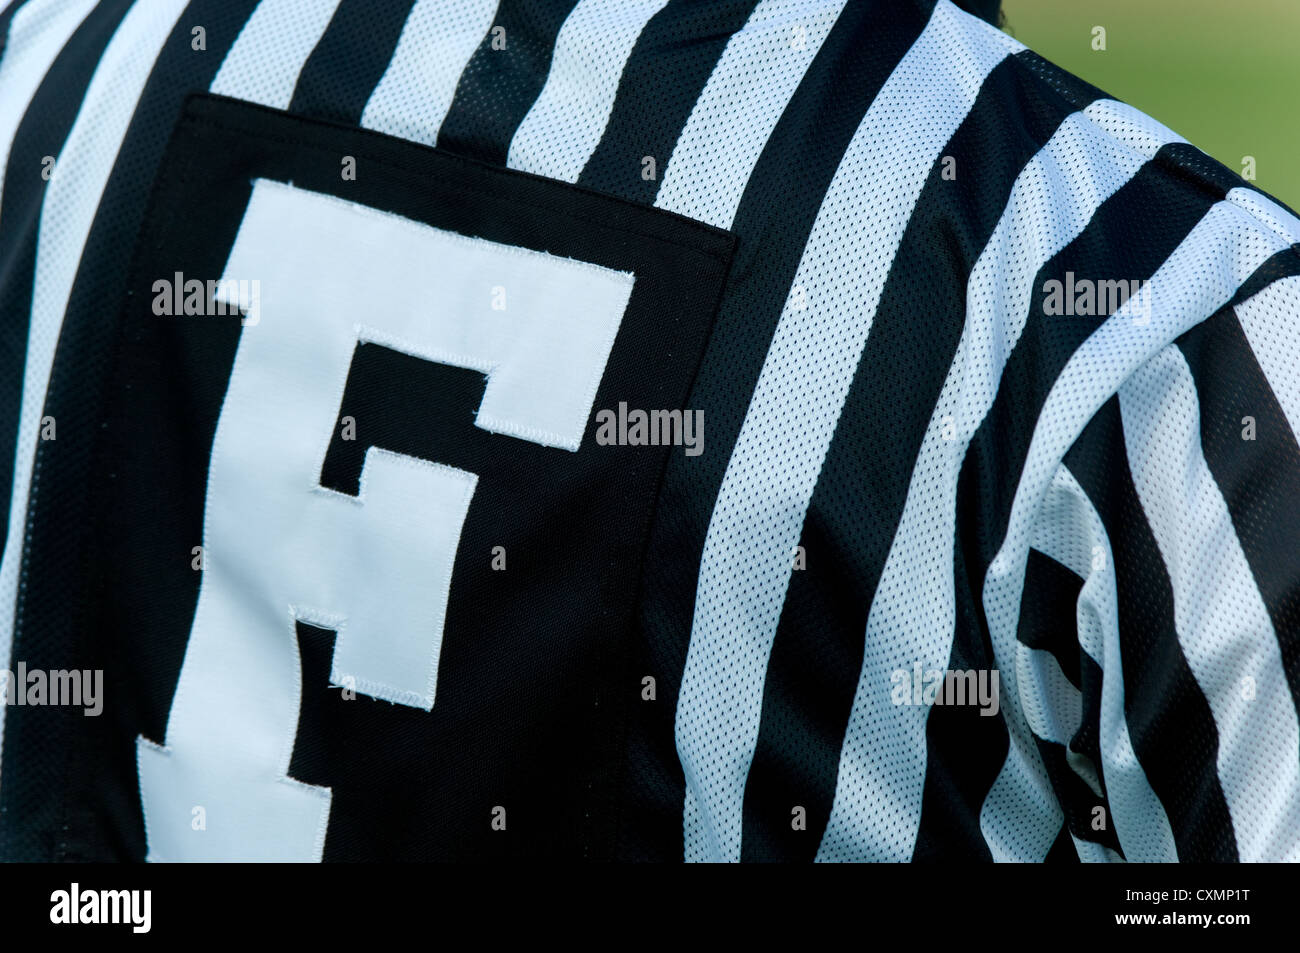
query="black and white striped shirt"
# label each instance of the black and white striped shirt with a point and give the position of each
(1003, 380)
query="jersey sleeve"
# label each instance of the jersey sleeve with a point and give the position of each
(1173, 520)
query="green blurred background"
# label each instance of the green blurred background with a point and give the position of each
(1224, 74)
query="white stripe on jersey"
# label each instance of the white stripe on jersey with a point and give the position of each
(1274, 343)
(416, 90)
(1223, 626)
(37, 32)
(746, 564)
(728, 128)
(267, 56)
(564, 125)
(1070, 531)
(1272, 215)
(1138, 131)
(1055, 709)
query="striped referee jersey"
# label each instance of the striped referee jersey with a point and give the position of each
(632, 430)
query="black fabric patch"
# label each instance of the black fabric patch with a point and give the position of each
(535, 675)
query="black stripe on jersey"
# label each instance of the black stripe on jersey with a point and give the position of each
(1087, 738)
(1169, 719)
(499, 86)
(43, 130)
(1077, 800)
(812, 675)
(47, 630)
(1185, 160)
(1259, 478)
(349, 60)
(963, 752)
(659, 87)
(772, 224)
(1047, 613)
(1048, 622)
(1283, 264)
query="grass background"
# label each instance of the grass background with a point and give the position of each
(1224, 74)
